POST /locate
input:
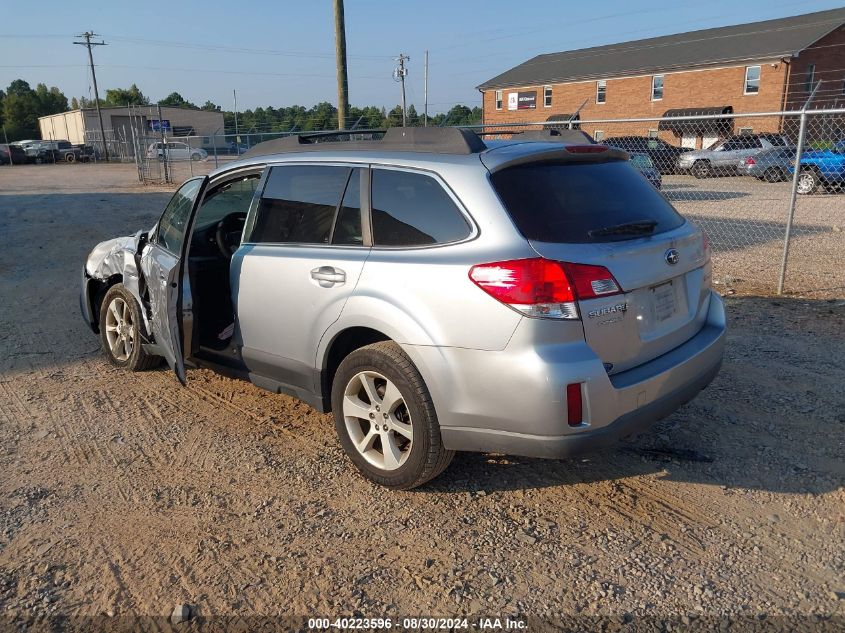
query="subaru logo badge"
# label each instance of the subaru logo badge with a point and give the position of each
(672, 256)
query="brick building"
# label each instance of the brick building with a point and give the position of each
(765, 66)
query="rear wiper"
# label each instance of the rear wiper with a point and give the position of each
(641, 227)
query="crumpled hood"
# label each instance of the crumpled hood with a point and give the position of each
(113, 257)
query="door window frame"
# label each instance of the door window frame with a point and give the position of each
(154, 237)
(474, 231)
(364, 200)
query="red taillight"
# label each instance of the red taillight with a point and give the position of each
(586, 149)
(591, 281)
(543, 288)
(750, 161)
(574, 406)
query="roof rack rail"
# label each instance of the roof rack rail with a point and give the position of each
(395, 139)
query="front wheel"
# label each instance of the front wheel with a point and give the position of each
(808, 182)
(120, 330)
(385, 419)
(702, 169)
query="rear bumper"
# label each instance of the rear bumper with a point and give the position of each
(514, 401)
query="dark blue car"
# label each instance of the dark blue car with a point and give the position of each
(821, 168)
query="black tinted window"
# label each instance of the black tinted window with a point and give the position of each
(563, 202)
(299, 203)
(347, 228)
(411, 209)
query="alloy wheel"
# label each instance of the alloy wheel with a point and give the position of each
(120, 329)
(806, 183)
(377, 420)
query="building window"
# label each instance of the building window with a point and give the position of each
(498, 99)
(601, 91)
(598, 135)
(743, 131)
(547, 96)
(657, 87)
(652, 134)
(752, 80)
(811, 76)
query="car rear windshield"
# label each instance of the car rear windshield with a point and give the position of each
(579, 202)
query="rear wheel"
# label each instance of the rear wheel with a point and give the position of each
(773, 174)
(702, 169)
(808, 182)
(385, 419)
(120, 330)
(71, 158)
(196, 157)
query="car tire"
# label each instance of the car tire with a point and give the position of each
(773, 174)
(71, 158)
(120, 331)
(195, 157)
(808, 182)
(402, 447)
(702, 169)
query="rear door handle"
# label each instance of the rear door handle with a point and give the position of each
(328, 276)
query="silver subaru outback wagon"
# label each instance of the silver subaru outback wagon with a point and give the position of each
(436, 293)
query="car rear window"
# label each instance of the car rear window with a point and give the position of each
(564, 202)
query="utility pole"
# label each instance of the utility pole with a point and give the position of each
(340, 57)
(88, 44)
(425, 92)
(399, 75)
(237, 138)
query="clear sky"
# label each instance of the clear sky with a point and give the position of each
(282, 52)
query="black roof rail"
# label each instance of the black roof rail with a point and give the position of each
(396, 139)
(548, 135)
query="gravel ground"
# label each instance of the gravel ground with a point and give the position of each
(125, 495)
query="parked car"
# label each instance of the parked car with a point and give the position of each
(821, 168)
(55, 151)
(724, 157)
(12, 154)
(435, 294)
(236, 148)
(663, 155)
(771, 165)
(644, 164)
(175, 151)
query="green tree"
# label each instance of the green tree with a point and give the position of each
(210, 106)
(50, 100)
(20, 111)
(124, 96)
(175, 99)
(74, 103)
(2, 97)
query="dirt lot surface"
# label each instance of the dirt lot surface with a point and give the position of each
(126, 494)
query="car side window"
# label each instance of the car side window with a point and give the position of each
(298, 204)
(413, 209)
(171, 227)
(233, 196)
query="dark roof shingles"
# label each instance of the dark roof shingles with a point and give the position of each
(756, 41)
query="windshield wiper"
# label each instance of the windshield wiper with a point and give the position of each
(640, 227)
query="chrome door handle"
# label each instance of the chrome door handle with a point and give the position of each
(328, 275)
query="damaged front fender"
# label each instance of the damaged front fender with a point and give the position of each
(116, 259)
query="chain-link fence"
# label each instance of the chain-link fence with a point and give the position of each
(732, 174)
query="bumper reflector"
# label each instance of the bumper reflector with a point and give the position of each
(574, 407)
